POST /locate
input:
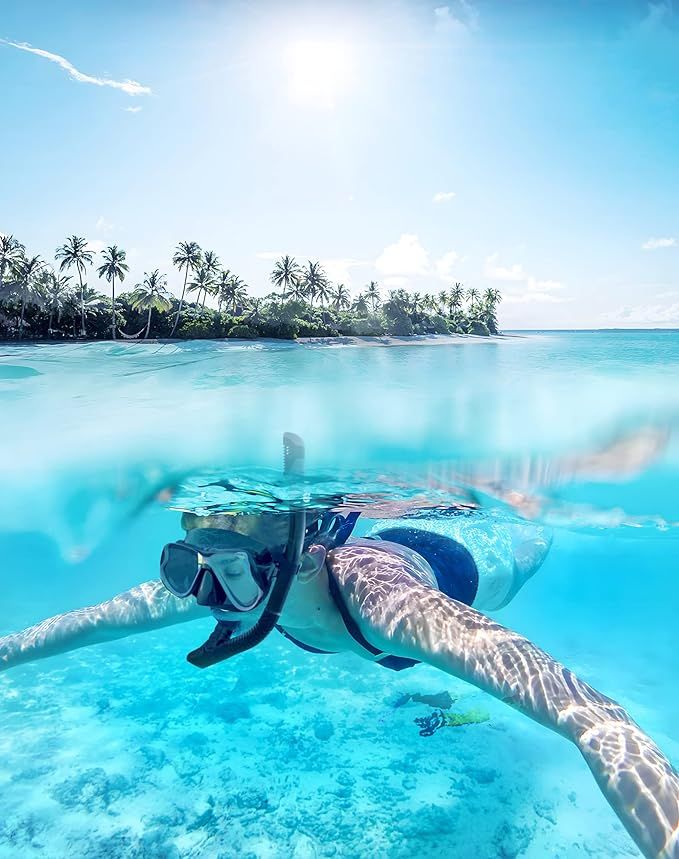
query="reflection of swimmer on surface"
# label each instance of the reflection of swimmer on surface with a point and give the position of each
(518, 483)
(401, 596)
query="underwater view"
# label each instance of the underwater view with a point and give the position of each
(559, 450)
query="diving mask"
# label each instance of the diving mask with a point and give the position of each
(235, 579)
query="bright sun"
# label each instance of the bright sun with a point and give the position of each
(319, 72)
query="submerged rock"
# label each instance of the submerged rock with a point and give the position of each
(323, 729)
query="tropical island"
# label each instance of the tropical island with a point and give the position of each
(42, 300)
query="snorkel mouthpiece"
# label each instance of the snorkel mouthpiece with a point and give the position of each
(221, 644)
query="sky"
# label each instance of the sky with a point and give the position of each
(530, 147)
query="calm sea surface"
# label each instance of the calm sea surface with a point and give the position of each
(125, 750)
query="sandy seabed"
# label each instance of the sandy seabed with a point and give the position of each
(124, 750)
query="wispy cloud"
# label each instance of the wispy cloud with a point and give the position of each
(270, 255)
(134, 109)
(656, 15)
(528, 289)
(459, 16)
(127, 86)
(654, 244)
(494, 271)
(102, 225)
(443, 196)
(645, 314)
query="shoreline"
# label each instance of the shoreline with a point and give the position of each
(386, 340)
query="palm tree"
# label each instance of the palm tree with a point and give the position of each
(202, 282)
(255, 309)
(11, 254)
(455, 298)
(223, 283)
(340, 297)
(72, 253)
(491, 298)
(238, 293)
(151, 294)
(201, 279)
(91, 301)
(212, 265)
(360, 305)
(472, 298)
(287, 276)
(187, 256)
(316, 282)
(372, 293)
(57, 292)
(27, 285)
(431, 303)
(114, 266)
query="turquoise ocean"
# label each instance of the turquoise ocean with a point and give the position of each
(125, 750)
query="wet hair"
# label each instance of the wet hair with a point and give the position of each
(270, 528)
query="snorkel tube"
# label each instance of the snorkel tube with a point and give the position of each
(221, 645)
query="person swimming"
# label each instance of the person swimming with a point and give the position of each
(402, 595)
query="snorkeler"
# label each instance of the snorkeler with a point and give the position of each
(402, 596)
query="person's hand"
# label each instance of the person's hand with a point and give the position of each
(8, 650)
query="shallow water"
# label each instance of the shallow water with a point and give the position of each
(126, 750)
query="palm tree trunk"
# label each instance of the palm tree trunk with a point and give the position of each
(49, 324)
(83, 333)
(148, 324)
(21, 323)
(181, 304)
(113, 307)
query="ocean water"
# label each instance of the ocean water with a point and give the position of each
(124, 749)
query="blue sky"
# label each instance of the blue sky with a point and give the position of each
(528, 146)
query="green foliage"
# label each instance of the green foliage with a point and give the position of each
(36, 301)
(200, 323)
(242, 332)
(367, 326)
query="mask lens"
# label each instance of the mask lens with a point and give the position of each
(179, 568)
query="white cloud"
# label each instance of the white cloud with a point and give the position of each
(102, 225)
(395, 282)
(134, 109)
(339, 270)
(96, 245)
(532, 296)
(446, 264)
(443, 196)
(457, 17)
(532, 290)
(127, 86)
(645, 314)
(405, 258)
(270, 255)
(654, 244)
(535, 285)
(497, 272)
(656, 14)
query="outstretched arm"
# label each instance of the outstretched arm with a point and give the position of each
(400, 616)
(147, 607)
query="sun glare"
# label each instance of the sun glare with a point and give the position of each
(319, 72)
